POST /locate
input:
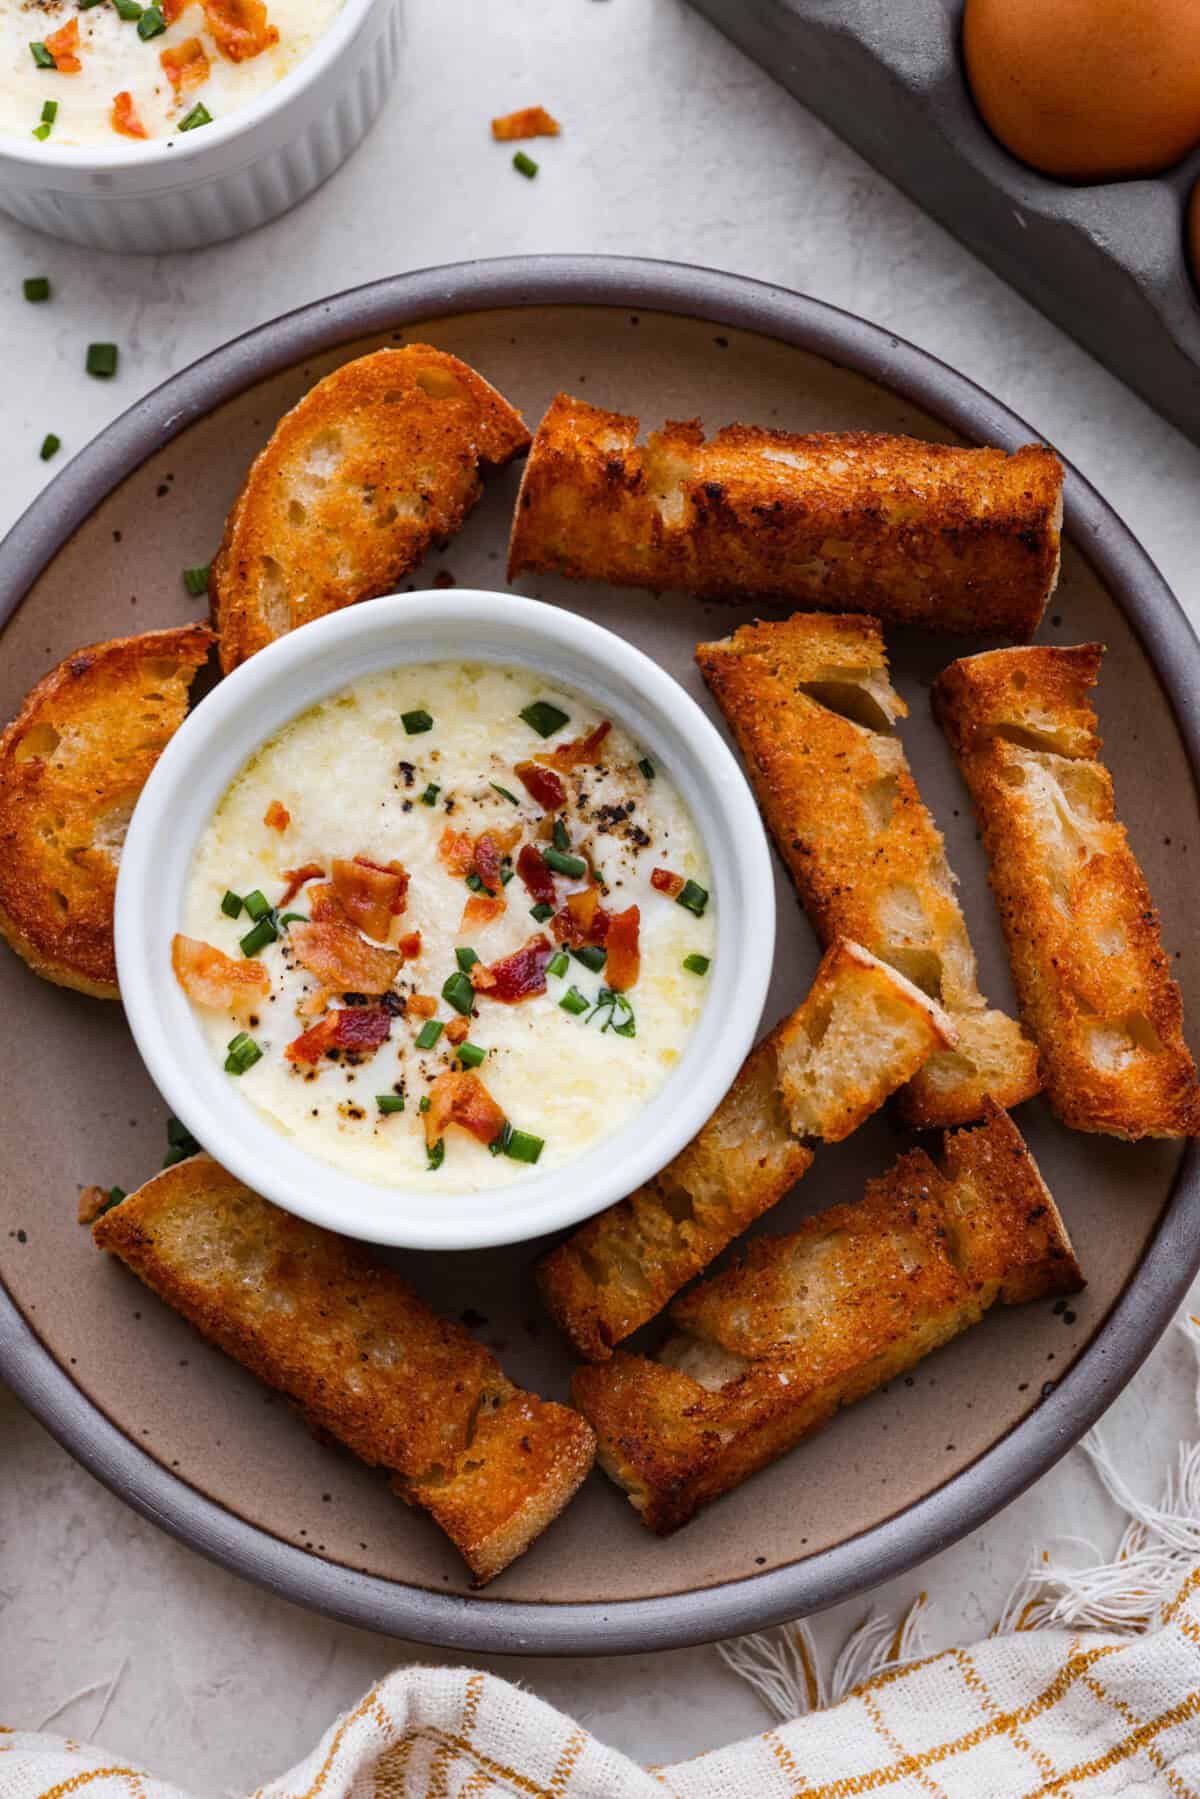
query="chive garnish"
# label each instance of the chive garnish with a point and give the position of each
(49, 114)
(41, 55)
(558, 963)
(564, 865)
(574, 1002)
(115, 1196)
(541, 911)
(503, 792)
(129, 10)
(562, 837)
(286, 918)
(466, 959)
(102, 360)
(51, 445)
(506, 873)
(263, 933)
(151, 23)
(423, 1103)
(243, 1053)
(196, 580)
(693, 897)
(458, 992)
(41, 132)
(231, 903)
(696, 964)
(647, 767)
(390, 1102)
(522, 1146)
(416, 722)
(257, 904)
(592, 956)
(199, 115)
(496, 1146)
(36, 287)
(475, 884)
(615, 1005)
(470, 1054)
(429, 797)
(180, 1143)
(544, 718)
(525, 165)
(428, 1035)
(87, 5)
(437, 1155)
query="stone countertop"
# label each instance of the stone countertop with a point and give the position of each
(675, 146)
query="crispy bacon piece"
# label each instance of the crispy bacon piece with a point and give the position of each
(342, 960)
(518, 976)
(584, 749)
(123, 117)
(487, 861)
(542, 785)
(173, 9)
(624, 953)
(63, 45)
(296, 879)
(371, 893)
(358, 1029)
(460, 1097)
(668, 883)
(480, 910)
(324, 906)
(185, 65)
(211, 978)
(482, 977)
(277, 817)
(537, 877)
(582, 920)
(456, 851)
(240, 27)
(410, 946)
(457, 1030)
(529, 121)
(421, 1005)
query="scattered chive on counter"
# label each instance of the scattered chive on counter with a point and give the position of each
(196, 580)
(199, 115)
(390, 1102)
(36, 288)
(102, 360)
(416, 722)
(51, 445)
(428, 1035)
(544, 718)
(697, 964)
(525, 165)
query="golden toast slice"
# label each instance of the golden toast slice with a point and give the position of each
(812, 707)
(72, 764)
(861, 1032)
(360, 1356)
(769, 1351)
(377, 463)
(918, 533)
(1093, 981)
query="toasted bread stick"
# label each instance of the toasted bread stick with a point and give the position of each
(813, 710)
(359, 1354)
(72, 765)
(1093, 981)
(769, 1351)
(859, 1034)
(376, 464)
(917, 533)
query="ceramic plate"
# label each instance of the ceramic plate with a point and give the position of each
(200, 1446)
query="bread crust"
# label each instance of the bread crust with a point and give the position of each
(377, 463)
(769, 1351)
(811, 705)
(358, 1353)
(72, 764)
(860, 1032)
(1084, 940)
(919, 533)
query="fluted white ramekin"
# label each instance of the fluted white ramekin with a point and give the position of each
(228, 177)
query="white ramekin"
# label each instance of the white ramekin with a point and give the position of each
(283, 681)
(227, 177)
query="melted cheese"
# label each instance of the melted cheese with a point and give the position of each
(351, 780)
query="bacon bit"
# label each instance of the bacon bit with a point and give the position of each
(324, 906)
(624, 953)
(211, 978)
(460, 1097)
(172, 10)
(410, 946)
(666, 882)
(482, 978)
(240, 28)
(457, 1030)
(520, 975)
(582, 920)
(537, 877)
(62, 45)
(371, 893)
(421, 1005)
(185, 65)
(487, 861)
(277, 816)
(456, 851)
(343, 960)
(315, 1004)
(124, 116)
(542, 785)
(92, 1201)
(360, 1029)
(480, 910)
(296, 878)
(530, 121)
(569, 755)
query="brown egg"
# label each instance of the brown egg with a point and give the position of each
(1087, 89)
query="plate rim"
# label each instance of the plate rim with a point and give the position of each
(481, 1623)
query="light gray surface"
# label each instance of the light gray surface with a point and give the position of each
(677, 147)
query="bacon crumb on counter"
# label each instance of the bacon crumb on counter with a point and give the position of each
(624, 951)
(296, 879)
(124, 116)
(665, 882)
(63, 45)
(357, 1029)
(584, 749)
(542, 785)
(518, 976)
(240, 27)
(460, 1097)
(528, 121)
(211, 978)
(342, 960)
(93, 1201)
(539, 881)
(185, 65)
(277, 817)
(371, 893)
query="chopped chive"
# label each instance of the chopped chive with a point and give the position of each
(541, 911)
(614, 1005)
(257, 904)
(243, 1053)
(428, 1035)
(436, 1155)
(196, 580)
(573, 1002)
(423, 1103)
(592, 956)
(697, 964)
(41, 132)
(562, 837)
(522, 1146)
(564, 865)
(199, 115)
(544, 718)
(693, 897)
(506, 873)
(503, 792)
(49, 111)
(429, 797)
(129, 10)
(286, 918)
(115, 1196)
(390, 1102)
(470, 1054)
(180, 1137)
(558, 963)
(475, 884)
(41, 55)
(647, 768)
(87, 5)
(102, 360)
(466, 959)
(458, 992)
(525, 165)
(232, 903)
(417, 721)
(51, 445)
(36, 287)
(263, 933)
(496, 1146)
(151, 23)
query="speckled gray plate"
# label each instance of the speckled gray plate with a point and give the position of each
(198, 1445)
